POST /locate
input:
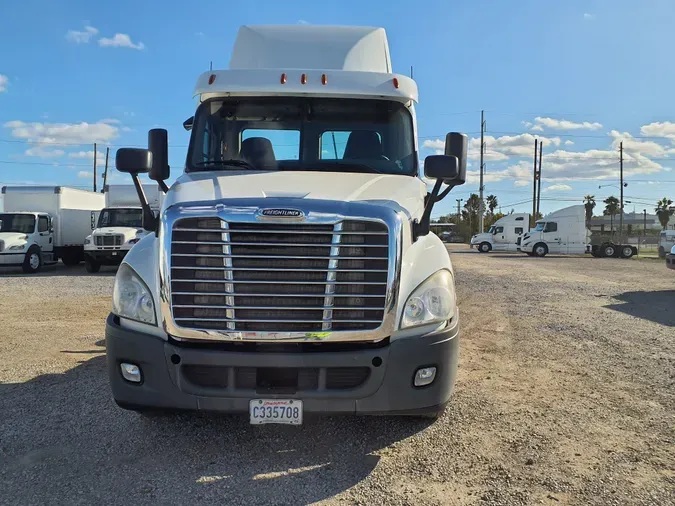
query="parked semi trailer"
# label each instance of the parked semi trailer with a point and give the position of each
(565, 232)
(42, 224)
(291, 269)
(119, 226)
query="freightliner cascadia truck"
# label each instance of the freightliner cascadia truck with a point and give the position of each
(290, 269)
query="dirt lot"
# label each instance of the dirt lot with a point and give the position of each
(566, 395)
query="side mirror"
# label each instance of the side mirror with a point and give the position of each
(133, 160)
(187, 124)
(457, 144)
(158, 145)
(441, 167)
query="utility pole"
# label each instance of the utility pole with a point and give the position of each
(621, 185)
(94, 167)
(534, 186)
(541, 145)
(458, 211)
(644, 213)
(411, 71)
(105, 172)
(482, 169)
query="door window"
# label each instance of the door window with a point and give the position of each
(43, 224)
(499, 230)
(551, 227)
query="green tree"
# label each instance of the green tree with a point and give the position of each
(589, 204)
(472, 207)
(492, 203)
(664, 211)
(612, 208)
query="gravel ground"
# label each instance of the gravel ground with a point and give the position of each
(565, 396)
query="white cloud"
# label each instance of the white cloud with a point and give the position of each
(84, 174)
(636, 147)
(120, 40)
(588, 16)
(526, 124)
(81, 37)
(557, 187)
(568, 143)
(63, 133)
(4, 82)
(521, 183)
(562, 124)
(89, 156)
(498, 148)
(44, 152)
(659, 129)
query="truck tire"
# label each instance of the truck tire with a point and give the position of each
(626, 251)
(33, 261)
(91, 265)
(540, 249)
(484, 247)
(662, 252)
(608, 250)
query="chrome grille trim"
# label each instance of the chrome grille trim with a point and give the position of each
(244, 211)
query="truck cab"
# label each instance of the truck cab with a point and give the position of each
(560, 232)
(503, 234)
(117, 230)
(291, 269)
(666, 242)
(26, 239)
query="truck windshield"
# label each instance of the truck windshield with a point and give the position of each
(291, 133)
(132, 218)
(19, 223)
(540, 226)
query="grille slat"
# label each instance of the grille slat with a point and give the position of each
(278, 277)
(109, 240)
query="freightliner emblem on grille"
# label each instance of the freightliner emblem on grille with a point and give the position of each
(282, 213)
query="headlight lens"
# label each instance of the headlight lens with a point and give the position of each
(17, 247)
(134, 240)
(131, 297)
(87, 240)
(433, 301)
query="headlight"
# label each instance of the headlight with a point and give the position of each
(87, 240)
(131, 297)
(433, 301)
(134, 240)
(17, 247)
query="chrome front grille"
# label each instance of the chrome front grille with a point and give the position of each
(271, 277)
(109, 240)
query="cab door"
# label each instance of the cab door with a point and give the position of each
(552, 237)
(45, 237)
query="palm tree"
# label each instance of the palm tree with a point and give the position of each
(492, 203)
(664, 211)
(589, 204)
(612, 206)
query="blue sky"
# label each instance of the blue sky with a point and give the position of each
(582, 75)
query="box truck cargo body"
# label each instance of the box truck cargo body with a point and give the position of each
(42, 224)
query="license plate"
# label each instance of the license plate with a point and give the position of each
(285, 411)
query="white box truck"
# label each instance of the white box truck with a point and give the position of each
(503, 234)
(666, 242)
(40, 224)
(291, 269)
(119, 226)
(564, 232)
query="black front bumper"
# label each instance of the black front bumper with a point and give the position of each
(670, 261)
(107, 257)
(169, 381)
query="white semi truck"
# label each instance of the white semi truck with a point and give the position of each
(40, 224)
(119, 226)
(564, 232)
(291, 269)
(503, 234)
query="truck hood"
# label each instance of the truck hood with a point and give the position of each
(10, 238)
(483, 237)
(390, 190)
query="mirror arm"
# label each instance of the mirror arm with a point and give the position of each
(422, 227)
(163, 186)
(150, 220)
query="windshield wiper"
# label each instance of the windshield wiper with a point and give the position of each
(226, 163)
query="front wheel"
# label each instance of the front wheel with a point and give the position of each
(33, 261)
(484, 247)
(91, 265)
(540, 250)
